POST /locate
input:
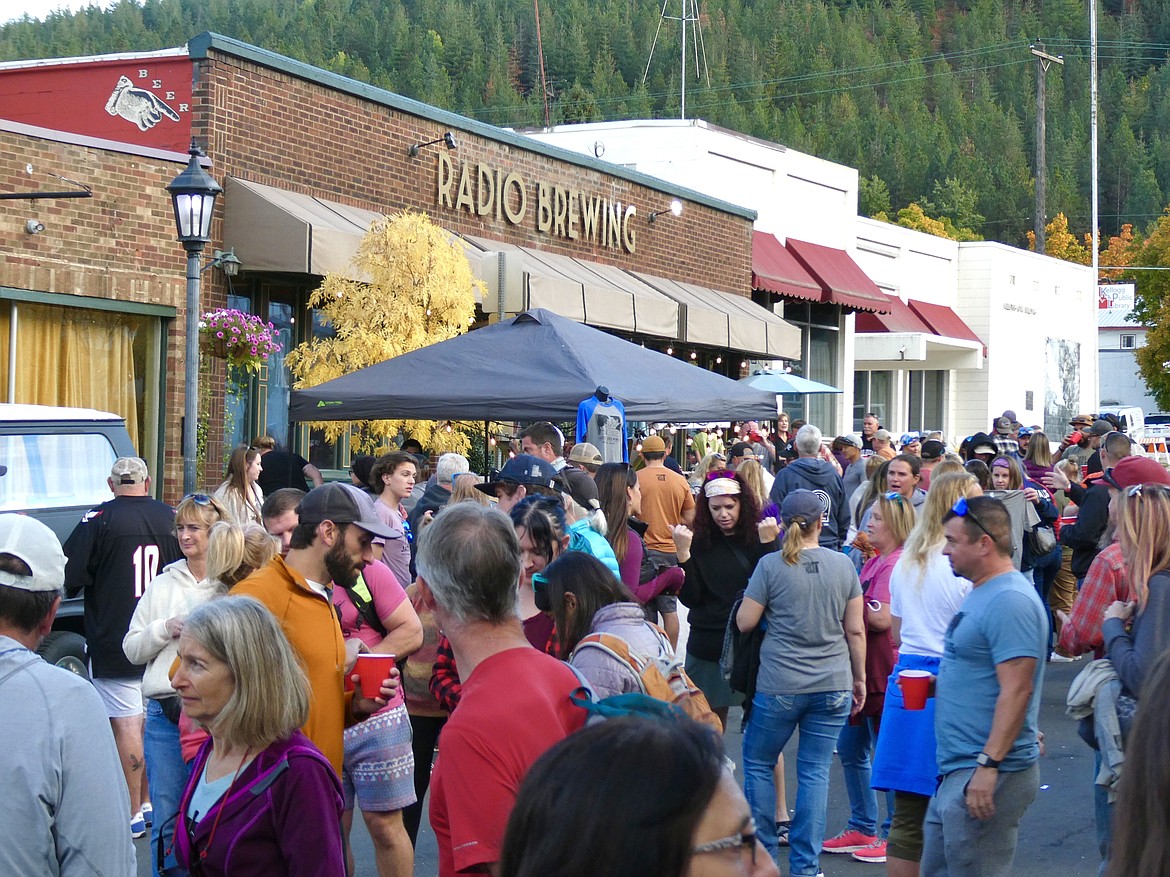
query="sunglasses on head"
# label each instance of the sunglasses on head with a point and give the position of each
(894, 496)
(962, 510)
(198, 498)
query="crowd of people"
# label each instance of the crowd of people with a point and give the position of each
(267, 659)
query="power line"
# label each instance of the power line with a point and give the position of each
(897, 64)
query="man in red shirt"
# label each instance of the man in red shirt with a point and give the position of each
(515, 702)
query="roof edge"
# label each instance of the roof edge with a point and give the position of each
(200, 47)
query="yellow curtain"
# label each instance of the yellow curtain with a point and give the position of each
(5, 312)
(76, 357)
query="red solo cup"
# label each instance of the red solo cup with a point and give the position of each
(373, 669)
(915, 686)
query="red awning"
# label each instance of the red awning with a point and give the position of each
(841, 278)
(943, 321)
(775, 269)
(899, 319)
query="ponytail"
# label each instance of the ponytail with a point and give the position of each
(794, 540)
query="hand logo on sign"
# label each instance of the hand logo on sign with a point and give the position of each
(144, 108)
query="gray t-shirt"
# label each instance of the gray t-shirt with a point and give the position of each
(1000, 620)
(804, 649)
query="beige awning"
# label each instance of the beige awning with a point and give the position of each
(584, 291)
(721, 319)
(274, 230)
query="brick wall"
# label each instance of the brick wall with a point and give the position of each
(269, 127)
(118, 245)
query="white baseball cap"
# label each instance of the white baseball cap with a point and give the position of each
(37, 545)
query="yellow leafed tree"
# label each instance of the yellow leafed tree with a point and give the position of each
(1061, 243)
(421, 291)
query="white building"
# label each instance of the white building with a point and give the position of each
(1118, 339)
(968, 330)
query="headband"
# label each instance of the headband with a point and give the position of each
(721, 487)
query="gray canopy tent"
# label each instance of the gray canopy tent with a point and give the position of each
(537, 366)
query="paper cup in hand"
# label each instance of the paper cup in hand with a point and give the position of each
(373, 669)
(915, 686)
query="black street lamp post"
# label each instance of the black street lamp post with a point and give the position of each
(193, 194)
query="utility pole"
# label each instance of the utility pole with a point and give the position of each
(1044, 61)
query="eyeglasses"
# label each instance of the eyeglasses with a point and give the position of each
(744, 840)
(894, 496)
(198, 498)
(1134, 490)
(963, 511)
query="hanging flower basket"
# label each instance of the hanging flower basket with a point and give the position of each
(244, 340)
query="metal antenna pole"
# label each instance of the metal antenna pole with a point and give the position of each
(540, 52)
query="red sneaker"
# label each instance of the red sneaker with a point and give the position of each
(849, 841)
(875, 852)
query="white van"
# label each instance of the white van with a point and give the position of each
(1133, 422)
(54, 463)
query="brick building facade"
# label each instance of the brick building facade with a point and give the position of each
(327, 144)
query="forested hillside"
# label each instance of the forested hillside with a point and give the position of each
(934, 102)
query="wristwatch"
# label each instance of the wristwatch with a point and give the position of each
(985, 760)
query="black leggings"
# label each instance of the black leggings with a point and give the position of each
(425, 736)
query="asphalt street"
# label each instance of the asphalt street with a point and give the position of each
(1057, 837)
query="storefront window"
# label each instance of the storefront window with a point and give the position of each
(238, 398)
(821, 365)
(85, 358)
(872, 392)
(820, 339)
(927, 391)
(323, 454)
(283, 317)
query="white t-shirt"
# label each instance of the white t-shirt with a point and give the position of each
(926, 601)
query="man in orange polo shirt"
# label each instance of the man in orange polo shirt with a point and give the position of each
(666, 501)
(329, 546)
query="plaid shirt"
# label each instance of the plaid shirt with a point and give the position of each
(1005, 445)
(1104, 583)
(445, 684)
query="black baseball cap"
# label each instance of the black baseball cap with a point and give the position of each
(933, 450)
(342, 504)
(523, 469)
(581, 486)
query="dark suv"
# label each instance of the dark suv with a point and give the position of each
(55, 462)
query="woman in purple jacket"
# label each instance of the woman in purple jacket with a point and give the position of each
(262, 800)
(621, 501)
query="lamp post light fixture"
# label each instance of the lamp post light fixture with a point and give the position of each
(229, 263)
(675, 210)
(193, 194)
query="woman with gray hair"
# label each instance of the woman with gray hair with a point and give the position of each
(262, 799)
